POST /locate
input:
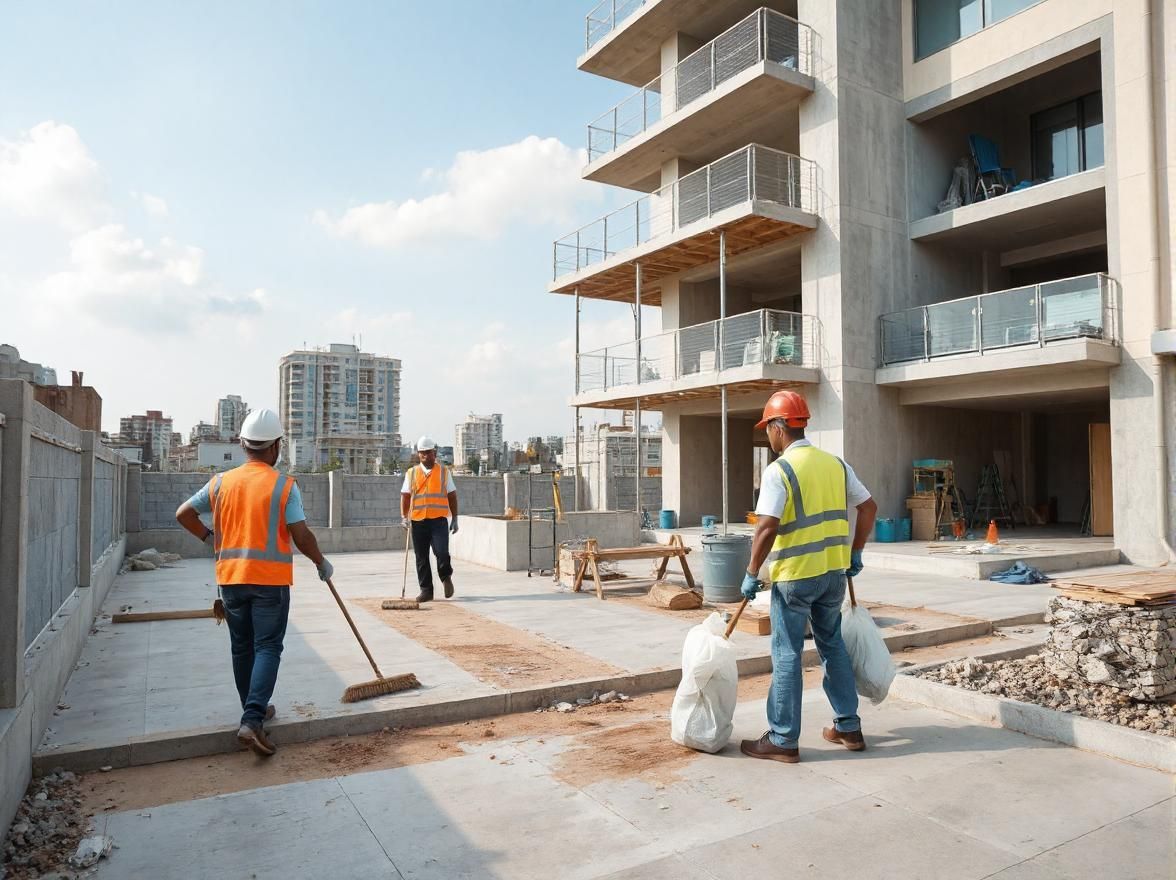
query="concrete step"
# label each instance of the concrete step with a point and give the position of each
(982, 566)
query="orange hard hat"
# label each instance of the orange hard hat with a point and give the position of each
(787, 405)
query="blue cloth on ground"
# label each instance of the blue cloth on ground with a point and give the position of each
(1019, 573)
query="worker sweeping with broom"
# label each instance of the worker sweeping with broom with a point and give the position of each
(802, 531)
(256, 515)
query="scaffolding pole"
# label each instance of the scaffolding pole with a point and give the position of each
(576, 429)
(637, 395)
(719, 361)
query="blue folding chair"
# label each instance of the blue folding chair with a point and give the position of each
(991, 178)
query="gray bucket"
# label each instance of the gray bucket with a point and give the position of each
(724, 562)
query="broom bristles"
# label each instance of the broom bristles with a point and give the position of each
(400, 605)
(380, 686)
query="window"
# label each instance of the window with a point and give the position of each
(1067, 138)
(228, 456)
(939, 23)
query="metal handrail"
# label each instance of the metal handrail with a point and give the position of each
(614, 11)
(763, 35)
(1080, 306)
(761, 336)
(750, 173)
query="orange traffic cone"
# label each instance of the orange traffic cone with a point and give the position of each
(993, 534)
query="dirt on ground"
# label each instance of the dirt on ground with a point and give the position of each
(642, 750)
(490, 651)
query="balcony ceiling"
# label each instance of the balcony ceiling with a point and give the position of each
(623, 399)
(630, 53)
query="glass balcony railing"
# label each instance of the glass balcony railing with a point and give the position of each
(765, 35)
(1069, 308)
(753, 172)
(766, 336)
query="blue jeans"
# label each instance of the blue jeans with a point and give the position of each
(433, 533)
(257, 627)
(793, 603)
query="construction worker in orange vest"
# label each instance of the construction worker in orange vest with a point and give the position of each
(256, 513)
(427, 500)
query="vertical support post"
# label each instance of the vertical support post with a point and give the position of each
(719, 361)
(980, 325)
(1040, 312)
(86, 510)
(134, 496)
(16, 397)
(637, 395)
(579, 476)
(577, 295)
(335, 483)
(926, 336)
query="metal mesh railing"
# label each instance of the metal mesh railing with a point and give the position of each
(752, 172)
(605, 17)
(765, 35)
(1069, 308)
(765, 336)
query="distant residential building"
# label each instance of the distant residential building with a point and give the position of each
(79, 404)
(340, 406)
(130, 452)
(230, 415)
(12, 366)
(479, 437)
(445, 455)
(203, 431)
(153, 432)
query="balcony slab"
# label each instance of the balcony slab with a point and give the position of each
(719, 122)
(701, 386)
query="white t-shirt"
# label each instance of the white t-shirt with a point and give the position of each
(774, 490)
(406, 489)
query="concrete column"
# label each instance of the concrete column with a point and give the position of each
(134, 498)
(674, 48)
(86, 511)
(16, 401)
(336, 478)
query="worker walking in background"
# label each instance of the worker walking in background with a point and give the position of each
(802, 531)
(427, 500)
(256, 514)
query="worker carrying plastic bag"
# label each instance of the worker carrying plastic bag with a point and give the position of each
(873, 667)
(704, 705)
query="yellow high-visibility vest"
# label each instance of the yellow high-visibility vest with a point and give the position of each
(813, 536)
(429, 498)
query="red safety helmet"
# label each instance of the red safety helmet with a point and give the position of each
(786, 405)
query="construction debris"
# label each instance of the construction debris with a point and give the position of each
(1031, 681)
(149, 560)
(90, 850)
(46, 830)
(583, 702)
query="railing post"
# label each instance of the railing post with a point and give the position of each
(644, 110)
(762, 25)
(979, 325)
(637, 222)
(604, 371)
(926, 335)
(606, 236)
(1040, 313)
(708, 190)
(613, 19)
(764, 336)
(615, 126)
(677, 355)
(713, 72)
(577, 250)
(750, 179)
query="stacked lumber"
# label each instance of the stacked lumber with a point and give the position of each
(1149, 588)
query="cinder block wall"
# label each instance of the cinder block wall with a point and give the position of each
(316, 498)
(162, 494)
(371, 500)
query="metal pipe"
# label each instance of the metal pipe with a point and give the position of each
(637, 395)
(576, 432)
(719, 360)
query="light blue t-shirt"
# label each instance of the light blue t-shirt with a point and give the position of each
(202, 504)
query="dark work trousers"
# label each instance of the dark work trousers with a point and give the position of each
(433, 533)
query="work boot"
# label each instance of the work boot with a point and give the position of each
(851, 739)
(425, 597)
(255, 739)
(765, 748)
(448, 582)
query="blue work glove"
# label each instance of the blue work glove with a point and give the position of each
(453, 526)
(855, 563)
(325, 570)
(750, 586)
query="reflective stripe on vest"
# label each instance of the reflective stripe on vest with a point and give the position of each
(239, 558)
(813, 536)
(430, 500)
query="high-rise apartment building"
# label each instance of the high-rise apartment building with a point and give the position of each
(946, 223)
(230, 415)
(339, 405)
(479, 437)
(153, 431)
(203, 431)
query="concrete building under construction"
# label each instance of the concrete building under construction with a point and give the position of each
(946, 223)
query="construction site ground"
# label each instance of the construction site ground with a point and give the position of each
(147, 692)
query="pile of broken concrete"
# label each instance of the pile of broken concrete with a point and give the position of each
(47, 837)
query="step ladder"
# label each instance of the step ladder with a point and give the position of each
(991, 504)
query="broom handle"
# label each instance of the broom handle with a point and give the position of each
(408, 532)
(735, 619)
(852, 597)
(351, 623)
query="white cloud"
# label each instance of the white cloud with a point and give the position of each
(536, 181)
(47, 173)
(153, 205)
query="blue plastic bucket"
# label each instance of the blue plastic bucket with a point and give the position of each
(665, 519)
(724, 562)
(708, 522)
(904, 529)
(885, 531)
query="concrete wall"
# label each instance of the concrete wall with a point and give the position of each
(503, 544)
(371, 500)
(61, 545)
(316, 498)
(161, 494)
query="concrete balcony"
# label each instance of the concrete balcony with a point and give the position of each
(764, 349)
(709, 103)
(757, 196)
(1052, 338)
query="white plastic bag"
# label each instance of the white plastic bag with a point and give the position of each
(873, 668)
(701, 717)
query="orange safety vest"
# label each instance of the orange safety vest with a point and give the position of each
(251, 544)
(429, 498)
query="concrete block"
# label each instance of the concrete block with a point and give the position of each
(16, 750)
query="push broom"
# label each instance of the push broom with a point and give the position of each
(381, 685)
(403, 604)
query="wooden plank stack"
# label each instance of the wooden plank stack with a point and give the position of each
(1148, 588)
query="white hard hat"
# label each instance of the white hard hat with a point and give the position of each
(425, 443)
(261, 428)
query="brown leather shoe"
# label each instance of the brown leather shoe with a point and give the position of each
(851, 739)
(765, 748)
(255, 738)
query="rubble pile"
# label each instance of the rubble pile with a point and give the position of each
(1031, 680)
(1130, 649)
(596, 699)
(46, 831)
(148, 560)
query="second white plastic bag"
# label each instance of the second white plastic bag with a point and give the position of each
(873, 668)
(704, 705)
